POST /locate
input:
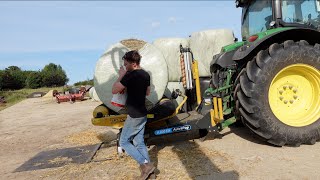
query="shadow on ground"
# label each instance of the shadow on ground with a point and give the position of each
(59, 157)
(239, 130)
(245, 133)
(65, 156)
(195, 161)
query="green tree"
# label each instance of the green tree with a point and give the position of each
(27, 72)
(7, 80)
(34, 80)
(1, 79)
(53, 75)
(86, 82)
(13, 78)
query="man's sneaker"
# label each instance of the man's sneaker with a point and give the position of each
(146, 169)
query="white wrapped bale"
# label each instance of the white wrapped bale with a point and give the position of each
(107, 67)
(154, 63)
(170, 48)
(106, 73)
(93, 94)
(206, 44)
(172, 86)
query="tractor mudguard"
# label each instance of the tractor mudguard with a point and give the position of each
(223, 60)
(295, 34)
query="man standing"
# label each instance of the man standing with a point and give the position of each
(137, 84)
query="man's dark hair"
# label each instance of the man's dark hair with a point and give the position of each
(132, 57)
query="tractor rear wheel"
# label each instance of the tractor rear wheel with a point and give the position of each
(279, 94)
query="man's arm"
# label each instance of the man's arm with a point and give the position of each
(117, 86)
(148, 91)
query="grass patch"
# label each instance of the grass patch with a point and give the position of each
(13, 97)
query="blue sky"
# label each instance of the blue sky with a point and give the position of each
(74, 34)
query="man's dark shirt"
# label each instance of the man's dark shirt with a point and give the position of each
(136, 82)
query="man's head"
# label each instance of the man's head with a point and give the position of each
(132, 60)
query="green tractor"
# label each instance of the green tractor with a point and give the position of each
(270, 82)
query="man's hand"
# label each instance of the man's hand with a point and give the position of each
(117, 86)
(122, 72)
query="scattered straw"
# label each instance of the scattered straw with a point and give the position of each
(59, 160)
(88, 137)
(133, 44)
(70, 171)
(37, 164)
(180, 161)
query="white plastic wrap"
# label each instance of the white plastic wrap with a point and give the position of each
(93, 94)
(154, 63)
(106, 73)
(206, 44)
(107, 67)
(170, 48)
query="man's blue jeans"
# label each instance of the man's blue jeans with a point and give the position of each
(133, 130)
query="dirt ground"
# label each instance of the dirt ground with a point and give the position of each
(37, 125)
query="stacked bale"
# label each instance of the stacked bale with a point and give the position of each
(170, 48)
(161, 60)
(206, 44)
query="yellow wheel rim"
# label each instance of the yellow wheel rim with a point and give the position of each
(294, 95)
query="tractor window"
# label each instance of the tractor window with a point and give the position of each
(257, 18)
(303, 12)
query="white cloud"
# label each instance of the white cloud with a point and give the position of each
(172, 19)
(155, 24)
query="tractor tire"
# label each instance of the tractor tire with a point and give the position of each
(239, 120)
(279, 94)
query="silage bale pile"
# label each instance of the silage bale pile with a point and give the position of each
(161, 60)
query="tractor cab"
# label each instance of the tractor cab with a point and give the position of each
(259, 16)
